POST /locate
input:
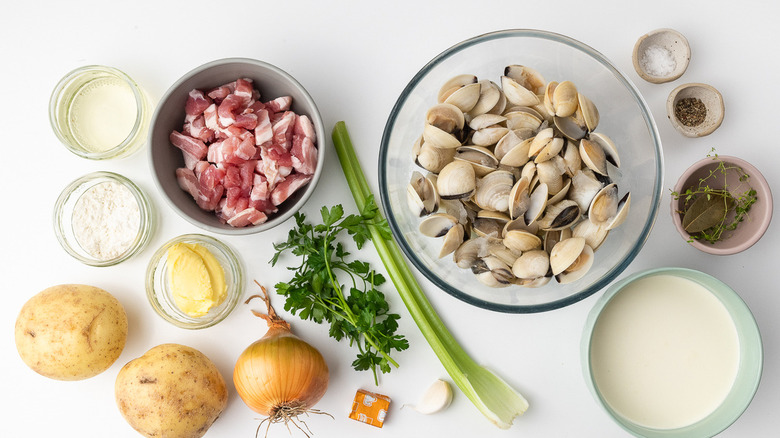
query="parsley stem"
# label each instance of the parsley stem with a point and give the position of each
(498, 401)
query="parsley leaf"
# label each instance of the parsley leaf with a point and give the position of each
(356, 311)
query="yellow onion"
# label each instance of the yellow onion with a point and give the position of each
(280, 375)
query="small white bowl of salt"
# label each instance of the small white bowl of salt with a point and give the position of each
(661, 55)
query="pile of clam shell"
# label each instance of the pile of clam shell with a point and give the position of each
(516, 179)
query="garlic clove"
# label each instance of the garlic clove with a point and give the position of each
(436, 398)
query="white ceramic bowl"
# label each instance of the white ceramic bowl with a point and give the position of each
(165, 158)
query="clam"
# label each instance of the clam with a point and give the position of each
(483, 121)
(479, 157)
(608, 146)
(551, 173)
(571, 158)
(454, 208)
(519, 198)
(489, 135)
(492, 191)
(421, 195)
(433, 159)
(547, 100)
(523, 118)
(578, 268)
(439, 138)
(570, 259)
(593, 234)
(464, 97)
(518, 154)
(519, 224)
(506, 255)
(511, 139)
(531, 265)
(453, 84)
(521, 240)
(446, 117)
(607, 210)
(452, 240)
(537, 202)
(437, 224)
(540, 141)
(552, 237)
(493, 272)
(489, 96)
(592, 154)
(570, 127)
(470, 251)
(590, 114)
(517, 94)
(527, 77)
(561, 215)
(550, 150)
(584, 187)
(561, 195)
(456, 180)
(564, 99)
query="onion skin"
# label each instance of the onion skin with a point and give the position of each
(278, 370)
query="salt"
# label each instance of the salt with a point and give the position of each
(658, 61)
(106, 220)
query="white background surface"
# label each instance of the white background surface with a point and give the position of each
(355, 58)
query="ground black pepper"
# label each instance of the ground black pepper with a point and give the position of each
(690, 111)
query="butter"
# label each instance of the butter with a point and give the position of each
(196, 278)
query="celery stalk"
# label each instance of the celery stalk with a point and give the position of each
(498, 401)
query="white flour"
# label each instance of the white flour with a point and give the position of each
(106, 220)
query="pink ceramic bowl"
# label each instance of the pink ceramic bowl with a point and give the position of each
(752, 228)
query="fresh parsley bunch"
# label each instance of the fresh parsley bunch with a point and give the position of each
(356, 309)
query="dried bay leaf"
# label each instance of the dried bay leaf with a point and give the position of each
(706, 212)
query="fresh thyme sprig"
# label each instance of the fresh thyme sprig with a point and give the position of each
(727, 210)
(356, 310)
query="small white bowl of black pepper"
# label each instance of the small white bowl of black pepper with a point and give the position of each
(103, 218)
(695, 109)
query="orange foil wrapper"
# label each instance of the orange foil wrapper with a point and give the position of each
(370, 408)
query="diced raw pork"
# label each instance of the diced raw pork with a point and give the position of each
(222, 91)
(283, 130)
(284, 189)
(304, 155)
(244, 91)
(264, 132)
(279, 104)
(246, 121)
(189, 144)
(197, 102)
(188, 181)
(304, 127)
(246, 217)
(227, 110)
(243, 157)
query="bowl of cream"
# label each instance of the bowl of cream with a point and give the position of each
(672, 352)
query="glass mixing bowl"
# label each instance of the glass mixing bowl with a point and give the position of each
(624, 117)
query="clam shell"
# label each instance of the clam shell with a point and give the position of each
(453, 84)
(565, 253)
(492, 191)
(452, 240)
(578, 268)
(434, 159)
(527, 77)
(489, 97)
(521, 240)
(439, 138)
(564, 99)
(456, 180)
(531, 264)
(464, 97)
(437, 224)
(517, 94)
(446, 117)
